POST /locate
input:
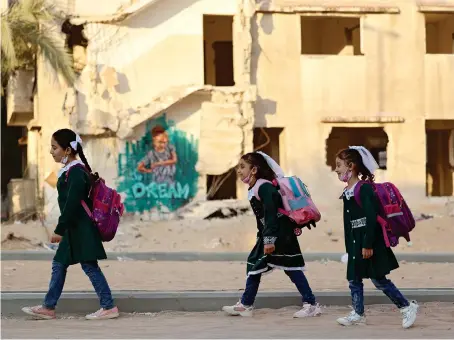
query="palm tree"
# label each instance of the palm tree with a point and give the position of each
(28, 29)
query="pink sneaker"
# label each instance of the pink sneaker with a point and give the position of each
(104, 314)
(40, 312)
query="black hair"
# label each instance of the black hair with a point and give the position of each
(352, 156)
(264, 171)
(64, 137)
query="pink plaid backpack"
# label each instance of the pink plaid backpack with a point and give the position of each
(296, 200)
(107, 207)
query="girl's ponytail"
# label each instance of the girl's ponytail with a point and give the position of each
(80, 151)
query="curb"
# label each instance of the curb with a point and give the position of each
(45, 255)
(199, 301)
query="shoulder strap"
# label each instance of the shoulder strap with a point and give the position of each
(82, 202)
(77, 165)
(257, 186)
(356, 193)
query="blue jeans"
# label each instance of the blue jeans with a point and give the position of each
(297, 277)
(94, 273)
(383, 284)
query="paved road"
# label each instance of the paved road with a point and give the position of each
(436, 320)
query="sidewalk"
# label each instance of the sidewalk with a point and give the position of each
(434, 321)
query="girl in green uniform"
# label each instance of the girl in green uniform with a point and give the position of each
(79, 239)
(368, 256)
(277, 245)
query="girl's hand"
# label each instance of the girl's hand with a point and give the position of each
(367, 253)
(269, 248)
(55, 238)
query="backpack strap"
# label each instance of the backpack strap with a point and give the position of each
(257, 185)
(356, 194)
(78, 166)
(380, 219)
(82, 202)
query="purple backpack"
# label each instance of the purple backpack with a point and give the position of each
(395, 217)
(107, 207)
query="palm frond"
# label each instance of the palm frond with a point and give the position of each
(26, 31)
(53, 50)
(8, 50)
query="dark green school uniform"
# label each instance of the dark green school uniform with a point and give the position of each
(273, 228)
(363, 231)
(81, 240)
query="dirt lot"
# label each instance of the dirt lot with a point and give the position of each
(435, 321)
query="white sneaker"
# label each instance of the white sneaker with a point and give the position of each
(238, 309)
(409, 314)
(308, 311)
(104, 314)
(352, 319)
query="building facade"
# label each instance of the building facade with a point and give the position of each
(297, 79)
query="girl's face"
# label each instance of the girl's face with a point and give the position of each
(57, 151)
(245, 171)
(342, 169)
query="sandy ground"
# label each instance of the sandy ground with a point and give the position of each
(229, 235)
(435, 321)
(141, 275)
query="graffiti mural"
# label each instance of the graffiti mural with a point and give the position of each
(158, 171)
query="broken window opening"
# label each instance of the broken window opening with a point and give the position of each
(267, 141)
(440, 157)
(323, 35)
(218, 50)
(439, 33)
(76, 43)
(221, 187)
(374, 139)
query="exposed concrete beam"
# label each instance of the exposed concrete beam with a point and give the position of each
(306, 6)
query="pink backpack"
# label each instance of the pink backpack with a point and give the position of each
(297, 201)
(394, 217)
(107, 207)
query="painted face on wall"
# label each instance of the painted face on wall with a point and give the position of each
(245, 171)
(344, 172)
(58, 153)
(160, 142)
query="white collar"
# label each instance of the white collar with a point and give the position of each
(349, 193)
(67, 166)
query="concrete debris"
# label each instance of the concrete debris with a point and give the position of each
(215, 209)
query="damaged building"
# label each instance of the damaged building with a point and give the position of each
(297, 79)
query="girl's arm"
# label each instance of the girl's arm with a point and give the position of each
(270, 200)
(368, 201)
(76, 192)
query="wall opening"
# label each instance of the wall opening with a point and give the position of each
(330, 35)
(440, 157)
(218, 50)
(374, 139)
(222, 187)
(439, 33)
(76, 43)
(13, 158)
(267, 140)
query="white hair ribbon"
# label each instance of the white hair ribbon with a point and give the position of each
(273, 165)
(75, 142)
(368, 160)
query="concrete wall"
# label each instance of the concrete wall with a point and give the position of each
(394, 78)
(151, 52)
(384, 73)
